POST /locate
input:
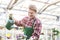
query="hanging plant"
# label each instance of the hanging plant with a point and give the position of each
(56, 32)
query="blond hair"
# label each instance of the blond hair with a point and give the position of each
(33, 7)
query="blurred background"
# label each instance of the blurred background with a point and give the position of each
(48, 13)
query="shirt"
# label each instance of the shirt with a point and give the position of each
(27, 22)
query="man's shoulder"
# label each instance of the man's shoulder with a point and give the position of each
(25, 18)
(38, 20)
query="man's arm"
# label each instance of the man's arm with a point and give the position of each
(22, 22)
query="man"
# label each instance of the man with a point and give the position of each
(32, 25)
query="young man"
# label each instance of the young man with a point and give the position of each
(32, 25)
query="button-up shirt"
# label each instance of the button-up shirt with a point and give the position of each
(27, 22)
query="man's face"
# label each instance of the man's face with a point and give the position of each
(31, 13)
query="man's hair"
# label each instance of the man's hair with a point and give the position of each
(33, 7)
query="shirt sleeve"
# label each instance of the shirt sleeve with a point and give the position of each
(37, 30)
(21, 22)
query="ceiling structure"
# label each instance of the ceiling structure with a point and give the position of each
(48, 10)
